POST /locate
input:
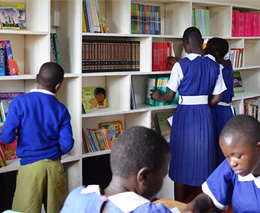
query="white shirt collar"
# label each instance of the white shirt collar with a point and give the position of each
(250, 177)
(211, 57)
(126, 201)
(42, 91)
(192, 56)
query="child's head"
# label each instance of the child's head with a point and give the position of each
(240, 143)
(50, 77)
(192, 39)
(218, 47)
(141, 156)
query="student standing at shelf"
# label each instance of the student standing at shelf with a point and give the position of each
(139, 161)
(44, 134)
(223, 111)
(237, 177)
(192, 139)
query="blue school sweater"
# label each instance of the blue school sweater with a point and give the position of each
(42, 124)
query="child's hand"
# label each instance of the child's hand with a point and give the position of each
(172, 60)
(155, 94)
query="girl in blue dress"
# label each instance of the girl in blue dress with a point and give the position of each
(238, 177)
(196, 77)
(223, 111)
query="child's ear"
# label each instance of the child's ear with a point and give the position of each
(142, 175)
(258, 147)
(37, 78)
(57, 87)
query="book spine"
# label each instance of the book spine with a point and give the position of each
(2, 59)
(55, 39)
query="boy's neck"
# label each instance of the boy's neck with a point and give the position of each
(44, 88)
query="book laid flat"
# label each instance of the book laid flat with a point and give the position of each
(114, 129)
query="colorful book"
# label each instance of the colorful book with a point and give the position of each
(9, 150)
(2, 159)
(161, 122)
(94, 98)
(114, 129)
(12, 16)
(2, 59)
(10, 64)
(238, 86)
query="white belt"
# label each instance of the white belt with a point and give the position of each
(224, 104)
(193, 100)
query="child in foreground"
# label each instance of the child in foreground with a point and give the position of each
(223, 111)
(238, 177)
(44, 131)
(139, 161)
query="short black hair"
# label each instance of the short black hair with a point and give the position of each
(194, 34)
(99, 90)
(220, 45)
(135, 148)
(50, 75)
(243, 125)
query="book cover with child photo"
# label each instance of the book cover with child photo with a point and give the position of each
(94, 98)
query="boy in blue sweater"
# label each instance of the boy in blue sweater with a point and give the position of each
(44, 131)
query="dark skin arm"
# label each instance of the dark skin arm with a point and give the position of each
(202, 203)
(172, 60)
(167, 97)
(214, 99)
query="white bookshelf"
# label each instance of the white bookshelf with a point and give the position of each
(32, 48)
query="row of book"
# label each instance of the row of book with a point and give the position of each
(55, 55)
(100, 139)
(201, 20)
(8, 64)
(145, 19)
(161, 52)
(245, 24)
(251, 109)
(160, 84)
(12, 16)
(93, 21)
(236, 56)
(110, 56)
(5, 101)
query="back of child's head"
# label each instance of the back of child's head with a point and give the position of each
(50, 75)
(220, 45)
(193, 34)
(135, 148)
(243, 126)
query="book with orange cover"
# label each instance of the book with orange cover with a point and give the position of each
(114, 129)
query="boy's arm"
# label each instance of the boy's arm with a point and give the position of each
(201, 203)
(66, 137)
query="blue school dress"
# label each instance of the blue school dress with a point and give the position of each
(89, 200)
(223, 185)
(223, 111)
(192, 143)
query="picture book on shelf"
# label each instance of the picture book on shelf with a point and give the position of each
(2, 59)
(162, 124)
(114, 129)
(9, 150)
(94, 98)
(12, 16)
(238, 86)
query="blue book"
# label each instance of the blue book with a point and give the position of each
(2, 59)
(152, 20)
